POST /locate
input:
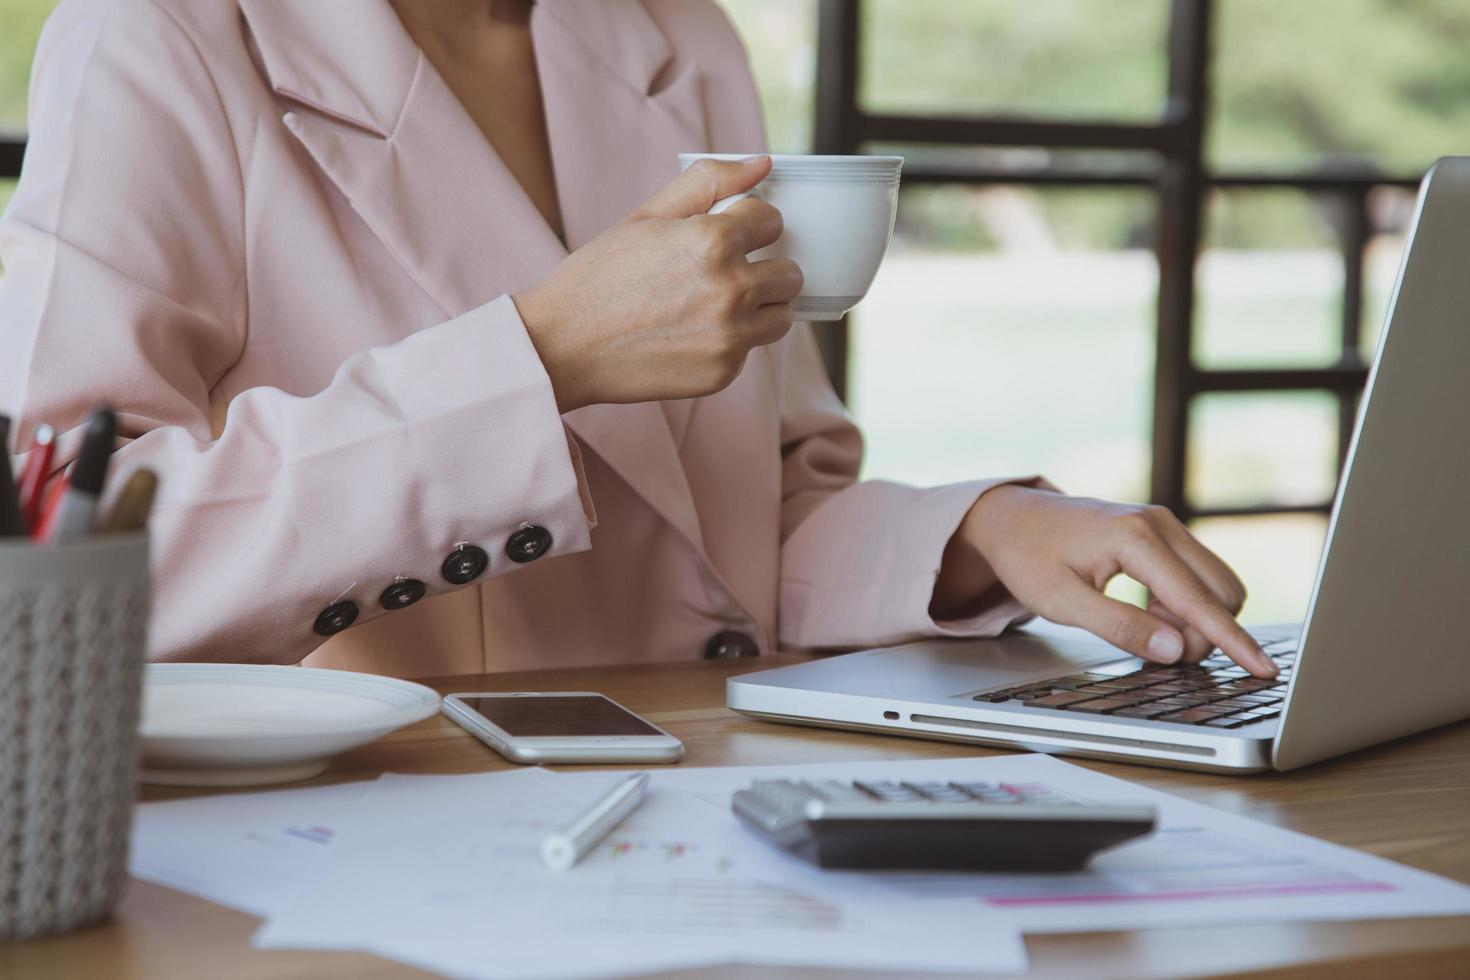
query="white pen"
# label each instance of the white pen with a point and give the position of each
(563, 849)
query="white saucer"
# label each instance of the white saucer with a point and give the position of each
(252, 724)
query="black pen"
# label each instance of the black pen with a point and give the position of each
(76, 512)
(12, 525)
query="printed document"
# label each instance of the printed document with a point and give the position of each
(444, 874)
(441, 872)
(1201, 867)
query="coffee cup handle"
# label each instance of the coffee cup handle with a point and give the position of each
(725, 203)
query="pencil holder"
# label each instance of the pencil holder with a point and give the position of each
(73, 625)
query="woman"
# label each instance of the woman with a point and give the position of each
(437, 357)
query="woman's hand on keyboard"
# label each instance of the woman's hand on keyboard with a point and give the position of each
(1056, 554)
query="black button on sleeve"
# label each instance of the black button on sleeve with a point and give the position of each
(404, 592)
(336, 618)
(465, 564)
(528, 544)
(730, 643)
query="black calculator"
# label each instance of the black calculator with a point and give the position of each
(968, 826)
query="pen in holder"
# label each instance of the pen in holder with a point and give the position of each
(73, 631)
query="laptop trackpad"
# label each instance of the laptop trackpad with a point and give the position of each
(953, 668)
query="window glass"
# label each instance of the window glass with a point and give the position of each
(1276, 557)
(1269, 281)
(20, 26)
(1009, 332)
(1278, 448)
(1390, 210)
(1313, 82)
(780, 38)
(1072, 58)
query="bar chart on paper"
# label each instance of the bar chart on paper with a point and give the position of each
(1178, 864)
(1202, 867)
(679, 883)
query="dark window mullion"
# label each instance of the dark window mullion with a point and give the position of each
(1181, 196)
(836, 130)
(12, 149)
(1353, 233)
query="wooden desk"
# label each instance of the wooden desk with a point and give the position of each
(1408, 801)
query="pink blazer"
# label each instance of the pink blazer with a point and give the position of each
(270, 236)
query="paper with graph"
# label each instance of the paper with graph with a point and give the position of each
(442, 872)
(1203, 866)
(445, 875)
(244, 850)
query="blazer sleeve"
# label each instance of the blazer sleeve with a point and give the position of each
(125, 284)
(859, 560)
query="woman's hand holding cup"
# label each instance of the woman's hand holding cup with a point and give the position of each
(664, 304)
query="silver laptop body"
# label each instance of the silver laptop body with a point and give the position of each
(1383, 652)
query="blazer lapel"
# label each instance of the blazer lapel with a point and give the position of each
(614, 142)
(389, 133)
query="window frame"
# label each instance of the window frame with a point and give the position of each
(1181, 181)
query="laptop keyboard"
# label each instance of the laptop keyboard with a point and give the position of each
(1216, 693)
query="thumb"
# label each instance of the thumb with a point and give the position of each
(703, 183)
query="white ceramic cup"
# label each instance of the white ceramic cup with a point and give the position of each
(838, 213)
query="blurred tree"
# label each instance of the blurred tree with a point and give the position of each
(1297, 84)
(20, 25)
(1317, 82)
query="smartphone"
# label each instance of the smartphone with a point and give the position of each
(561, 726)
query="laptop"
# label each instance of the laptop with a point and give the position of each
(1385, 648)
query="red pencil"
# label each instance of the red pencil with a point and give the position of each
(33, 477)
(50, 504)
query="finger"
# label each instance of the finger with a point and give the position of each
(1123, 625)
(1210, 567)
(756, 223)
(704, 182)
(776, 280)
(1196, 647)
(769, 323)
(1150, 560)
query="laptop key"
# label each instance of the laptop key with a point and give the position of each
(1121, 685)
(1226, 721)
(1190, 716)
(1143, 711)
(1100, 706)
(1060, 699)
(1080, 680)
(1131, 699)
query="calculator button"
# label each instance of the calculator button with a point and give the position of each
(889, 792)
(837, 791)
(939, 792)
(975, 789)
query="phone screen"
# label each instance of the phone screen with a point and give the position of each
(559, 716)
